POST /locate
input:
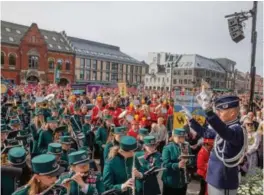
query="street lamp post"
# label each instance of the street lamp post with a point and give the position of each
(176, 65)
(236, 32)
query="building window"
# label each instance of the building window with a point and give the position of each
(59, 63)
(82, 74)
(114, 67)
(114, 76)
(190, 72)
(126, 68)
(213, 74)
(207, 73)
(51, 64)
(185, 81)
(88, 74)
(174, 81)
(107, 66)
(95, 64)
(180, 81)
(88, 64)
(185, 72)
(121, 68)
(189, 81)
(33, 62)
(107, 76)
(175, 72)
(33, 39)
(68, 65)
(82, 64)
(94, 75)
(140, 70)
(136, 69)
(2, 58)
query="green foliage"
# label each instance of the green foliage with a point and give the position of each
(252, 184)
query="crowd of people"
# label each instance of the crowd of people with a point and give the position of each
(54, 141)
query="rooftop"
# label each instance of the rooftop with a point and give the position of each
(101, 51)
(12, 33)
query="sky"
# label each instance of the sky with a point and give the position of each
(142, 27)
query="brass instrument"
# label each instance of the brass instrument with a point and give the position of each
(4, 160)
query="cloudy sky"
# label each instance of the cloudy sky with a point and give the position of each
(142, 27)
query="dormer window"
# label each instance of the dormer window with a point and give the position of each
(45, 37)
(62, 40)
(67, 48)
(51, 45)
(54, 38)
(11, 39)
(59, 47)
(8, 29)
(18, 32)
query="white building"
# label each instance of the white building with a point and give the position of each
(188, 73)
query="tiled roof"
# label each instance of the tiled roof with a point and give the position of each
(101, 51)
(12, 33)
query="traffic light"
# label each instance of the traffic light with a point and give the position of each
(235, 29)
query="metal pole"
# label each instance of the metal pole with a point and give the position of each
(253, 53)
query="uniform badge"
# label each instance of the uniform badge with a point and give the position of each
(54, 165)
(225, 106)
(83, 157)
(19, 160)
(152, 141)
(58, 150)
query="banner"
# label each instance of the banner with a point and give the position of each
(93, 88)
(57, 75)
(122, 89)
(189, 101)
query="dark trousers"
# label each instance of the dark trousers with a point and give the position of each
(203, 185)
(160, 146)
(174, 191)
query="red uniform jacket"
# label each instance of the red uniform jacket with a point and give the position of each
(132, 133)
(115, 113)
(95, 112)
(202, 162)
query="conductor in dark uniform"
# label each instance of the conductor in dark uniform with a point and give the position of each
(222, 174)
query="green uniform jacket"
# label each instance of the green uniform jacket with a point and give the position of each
(116, 172)
(24, 190)
(107, 148)
(95, 185)
(46, 113)
(101, 137)
(45, 138)
(7, 185)
(86, 128)
(173, 176)
(143, 163)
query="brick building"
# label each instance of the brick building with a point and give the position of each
(30, 54)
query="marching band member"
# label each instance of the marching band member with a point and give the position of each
(222, 174)
(66, 142)
(46, 170)
(115, 111)
(118, 172)
(15, 125)
(86, 128)
(17, 158)
(101, 136)
(96, 111)
(79, 181)
(134, 129)
(76, 120)
(22, 117)
(202, 161)
(147, 159)
(175, 177)
(119, 132)
(56, 149)
(142, 132)
(46, 136)
(55, 113)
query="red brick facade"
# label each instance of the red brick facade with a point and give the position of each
(33, 43)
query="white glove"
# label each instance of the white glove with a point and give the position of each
(204, 99)
(187, 113)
